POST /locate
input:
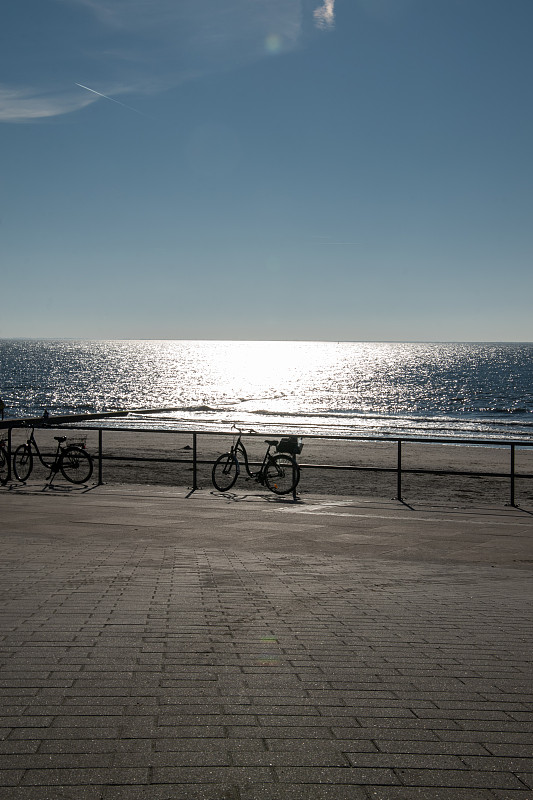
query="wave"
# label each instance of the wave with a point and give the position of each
(515, 410)
(352, 423)
(189, 409)
(412, 418)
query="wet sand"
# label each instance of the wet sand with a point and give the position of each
(317, 455)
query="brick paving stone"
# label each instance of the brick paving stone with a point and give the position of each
(240, 776)
(335, 775)
(406, 761)
(63, 761)
(429, 793)
(63, 733)
(11, 746)
(486, 738)
(291, 758)
(55, 793)
(500, 764)
(88, 745)
(509, 750)
(461, 749)
(83, 776)
(176, 744)
(459, 778)
(297, 791)
(208, 757)
(324, 746)
(403, 734)
(180, 791)
(287, 732)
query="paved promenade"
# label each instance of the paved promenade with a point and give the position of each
(162, 646)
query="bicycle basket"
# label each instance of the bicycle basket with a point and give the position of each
(290, 444)
(78, 441)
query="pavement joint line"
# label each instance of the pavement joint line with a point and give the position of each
(314, 512)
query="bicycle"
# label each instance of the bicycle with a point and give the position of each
(280, 473)
(72, 460)
(4, 463)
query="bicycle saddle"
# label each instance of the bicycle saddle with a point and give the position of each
(271, 442)
(60, 438)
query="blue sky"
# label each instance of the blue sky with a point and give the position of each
(267, 169)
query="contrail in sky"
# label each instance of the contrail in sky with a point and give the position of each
(109, 98)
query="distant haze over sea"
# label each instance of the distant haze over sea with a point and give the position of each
(359, 388)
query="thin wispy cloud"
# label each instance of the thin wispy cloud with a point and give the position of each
(142, 47)
(26, 104)
(325, 15)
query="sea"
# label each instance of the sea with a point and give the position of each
(459, 390)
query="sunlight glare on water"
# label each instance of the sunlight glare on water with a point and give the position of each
(346, 386)
(259, 370)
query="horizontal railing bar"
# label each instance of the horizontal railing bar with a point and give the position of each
(347, 467)
(384, 439)
(155, 460)
(413, 471)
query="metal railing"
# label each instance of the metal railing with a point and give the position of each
(399, 470)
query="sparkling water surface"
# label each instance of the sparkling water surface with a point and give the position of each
(417, 389)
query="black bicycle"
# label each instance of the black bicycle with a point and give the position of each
(4, 462)
(280, 473)
(72, 460)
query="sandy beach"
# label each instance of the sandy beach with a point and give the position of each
(367, 456)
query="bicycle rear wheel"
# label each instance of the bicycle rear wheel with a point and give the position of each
(23, 462)
(282, 474)
(76, 464)
(225, 472)
(4, 466)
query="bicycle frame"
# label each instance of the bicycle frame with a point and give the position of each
(54, 466)
(5, 464)
(239, 447)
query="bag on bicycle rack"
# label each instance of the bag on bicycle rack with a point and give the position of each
(290, 444)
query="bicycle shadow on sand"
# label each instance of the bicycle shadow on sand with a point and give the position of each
(54, 488)
(233, 497)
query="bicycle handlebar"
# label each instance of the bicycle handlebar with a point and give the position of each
(243, 430)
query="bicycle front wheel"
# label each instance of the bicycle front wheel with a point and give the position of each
(4, 466)
(76, 465)
(225, 472)
(282, 474)
(23, 462)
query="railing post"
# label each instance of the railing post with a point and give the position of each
(512, 473)
(9, 430)
(399, 472)
(100, 479)
(194, 464)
